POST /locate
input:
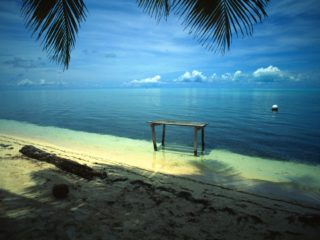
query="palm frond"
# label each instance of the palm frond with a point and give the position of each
(56, 23)
(212, 22)
(156, 8)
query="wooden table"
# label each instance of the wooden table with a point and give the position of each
(196, 125)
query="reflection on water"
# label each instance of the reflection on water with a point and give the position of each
(267, 176)
(240, 120)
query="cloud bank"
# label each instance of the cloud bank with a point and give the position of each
(37, 83)
(152, 81)
(273, 74)
(194, 76)
(270, 74)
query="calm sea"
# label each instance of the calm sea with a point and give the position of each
(240, 120)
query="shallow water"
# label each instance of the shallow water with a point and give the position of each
(240, 120)
(271, 177)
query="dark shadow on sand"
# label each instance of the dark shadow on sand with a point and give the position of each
(131, 205)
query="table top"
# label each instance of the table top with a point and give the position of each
(178, 123)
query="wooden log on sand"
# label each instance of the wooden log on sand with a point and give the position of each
(64, 164)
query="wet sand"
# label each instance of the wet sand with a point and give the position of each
(133, 203)
(275, 178)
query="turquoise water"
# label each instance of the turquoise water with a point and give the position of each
(274, 178)
(240, 120)
(248, 147)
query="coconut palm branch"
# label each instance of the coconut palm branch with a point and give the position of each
(156, 8)
(56, 23)
(212, 22)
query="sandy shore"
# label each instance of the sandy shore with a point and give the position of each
(132, 203)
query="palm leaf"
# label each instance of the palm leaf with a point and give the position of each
(156, 8)
(56, 22)
(213, 22)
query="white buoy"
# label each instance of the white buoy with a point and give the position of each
(274, 108)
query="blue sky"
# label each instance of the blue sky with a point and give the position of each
(120, 46)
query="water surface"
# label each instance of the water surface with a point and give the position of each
(240, 120)
(248, 147)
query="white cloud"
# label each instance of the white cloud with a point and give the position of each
(42, 82)
(270, 74)
(214, 77)
(226, 77)
(237, 76)
(194, 76)
(273, 74)
(25, 82)
(156, 80)
(271, 70)
(260, 75)
(197, 77)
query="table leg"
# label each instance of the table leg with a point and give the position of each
(195, 142)
(163, 134)
(154, 138)
(202, 139)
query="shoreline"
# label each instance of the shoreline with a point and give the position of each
(289, 181)
(124, 205)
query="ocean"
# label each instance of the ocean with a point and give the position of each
(242, 130)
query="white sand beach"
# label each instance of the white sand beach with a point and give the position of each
(278, 179)
(133, 203)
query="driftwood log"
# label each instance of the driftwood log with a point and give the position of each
(64, 164)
